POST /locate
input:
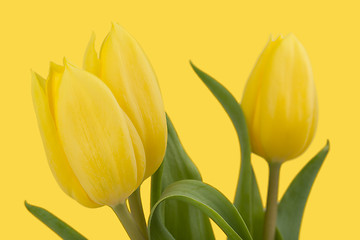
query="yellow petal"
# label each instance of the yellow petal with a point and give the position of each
(289, 102)
(138, 149)
(91, 61)
(251, 94)
(55, 154)
(127, 72)
(95, 136)
(53, 81)
(280, 101)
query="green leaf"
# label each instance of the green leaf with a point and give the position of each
(278, 235)
(205, 198)
(54, 223)
(292, 204)
(257, 211)
(180, 220)
(247, 197)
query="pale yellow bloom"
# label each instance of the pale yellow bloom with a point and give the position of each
(280, 102)
(103, 128)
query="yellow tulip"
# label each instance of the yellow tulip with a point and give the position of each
(104, 127)
(280, 102)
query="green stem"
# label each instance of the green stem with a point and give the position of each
(127, 220)
(272, 203)
(137, 211)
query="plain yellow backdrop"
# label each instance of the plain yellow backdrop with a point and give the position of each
(224, 38)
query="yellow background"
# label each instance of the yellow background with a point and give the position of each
(224, 38)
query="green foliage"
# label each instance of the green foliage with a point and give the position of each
(59, 227)
(205, 198)
(292, 204)
(182, 221)
(181, 204)
(247, 197)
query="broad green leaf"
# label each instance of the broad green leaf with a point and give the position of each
(181, 220)
(247, 197)
(205, 198)
(59, 227)
(292, 204)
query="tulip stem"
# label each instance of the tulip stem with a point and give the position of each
(272, 203)
(137, 211)
(127, 220)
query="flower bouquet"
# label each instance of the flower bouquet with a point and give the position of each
(105, 131)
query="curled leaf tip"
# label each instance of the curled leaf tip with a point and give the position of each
(193, 66)
(27, 205)
(328, 144)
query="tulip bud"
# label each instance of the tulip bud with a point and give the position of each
(103, 128)
(280, 102)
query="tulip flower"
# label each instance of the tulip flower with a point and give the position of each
(104, 126)
(281, 111)
(280, 102)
